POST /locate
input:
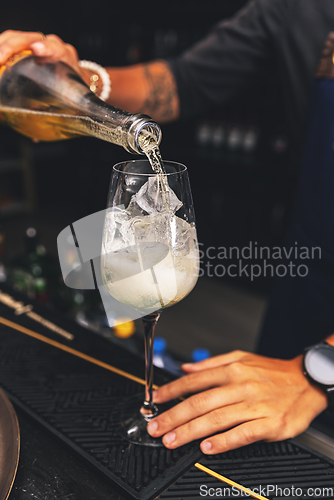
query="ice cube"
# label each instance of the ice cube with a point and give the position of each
(183, 237)
(150, 197)
(133, 208)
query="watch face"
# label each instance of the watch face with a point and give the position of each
(319, 364)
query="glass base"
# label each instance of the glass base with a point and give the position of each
(133, 424)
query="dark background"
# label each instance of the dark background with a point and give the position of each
(240, 195)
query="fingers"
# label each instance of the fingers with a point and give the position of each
(242, 435)
(12, 42)
(223, 359)
(54, 47)
(193, 407)
(261, 398)
(214, 421)
(194, 382)
(51, 46)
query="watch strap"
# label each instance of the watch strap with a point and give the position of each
(330, 394)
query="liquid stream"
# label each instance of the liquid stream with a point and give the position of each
(149, 146)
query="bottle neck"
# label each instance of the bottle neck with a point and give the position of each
(142, 124)
(119, 126)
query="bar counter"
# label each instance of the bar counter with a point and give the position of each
(65, 391)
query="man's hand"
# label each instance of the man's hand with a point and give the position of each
(248, 396)
(147, 88)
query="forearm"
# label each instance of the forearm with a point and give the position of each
(145, 88)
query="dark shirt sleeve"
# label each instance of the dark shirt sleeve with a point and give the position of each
(237, 52)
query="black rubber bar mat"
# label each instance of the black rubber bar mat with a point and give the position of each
(75, 397)
(279, 470)
(72, 387)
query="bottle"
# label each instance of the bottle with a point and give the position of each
(159, 350)
(48, 101)
(124, 328)
(200, 354)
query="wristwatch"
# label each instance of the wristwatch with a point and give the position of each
(318, 366)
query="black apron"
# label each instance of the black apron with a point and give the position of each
(301, 309)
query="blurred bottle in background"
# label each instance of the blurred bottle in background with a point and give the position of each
(200, 354)
(164, 359)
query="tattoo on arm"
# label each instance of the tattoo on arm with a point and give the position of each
(162, 102)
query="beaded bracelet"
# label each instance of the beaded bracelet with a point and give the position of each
(99, 73)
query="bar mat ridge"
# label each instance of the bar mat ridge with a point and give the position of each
(282, 464)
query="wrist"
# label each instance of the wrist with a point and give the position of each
(86, 75)
(312, 391)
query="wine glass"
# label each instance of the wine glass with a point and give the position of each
(149, 260)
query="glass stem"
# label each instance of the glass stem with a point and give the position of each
(149, 410)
